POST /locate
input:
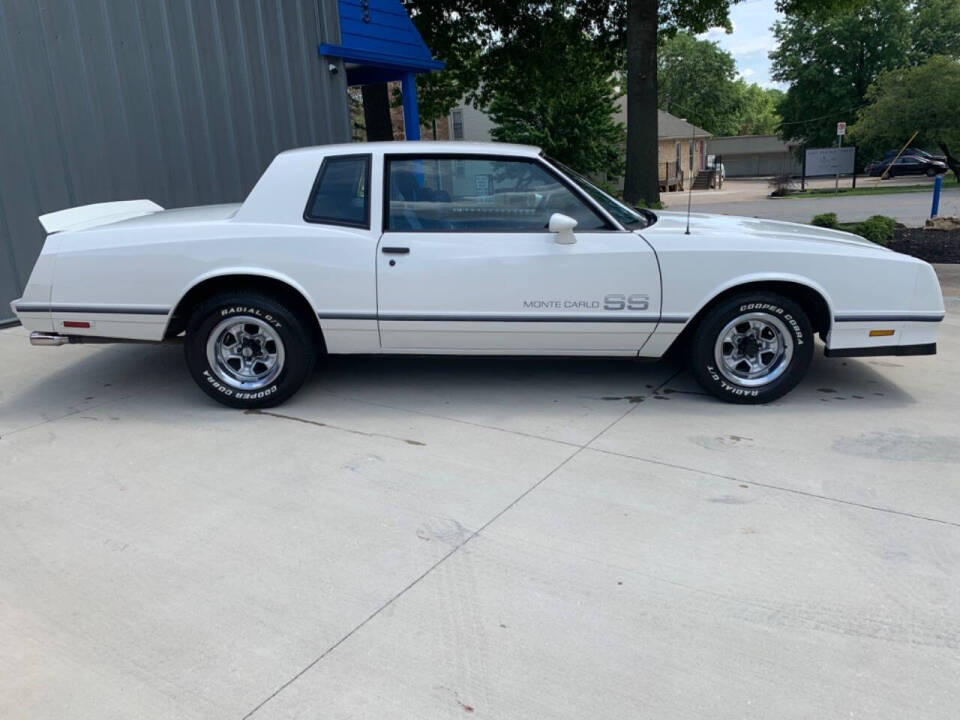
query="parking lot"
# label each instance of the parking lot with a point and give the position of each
(750, 197)
(465, 537)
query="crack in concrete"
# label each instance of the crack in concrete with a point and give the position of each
(438, 563)
(333, 427)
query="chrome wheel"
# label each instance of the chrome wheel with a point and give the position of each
(753, 349)
(245, 352)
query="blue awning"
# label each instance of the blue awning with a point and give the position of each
(379, 42)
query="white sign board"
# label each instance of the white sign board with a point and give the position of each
(841, 128)
(829, 161)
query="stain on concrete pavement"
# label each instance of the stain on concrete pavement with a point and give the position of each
(901, 445)
(629, 398)
(719, 442)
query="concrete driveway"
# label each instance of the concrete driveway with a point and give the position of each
(423, 538)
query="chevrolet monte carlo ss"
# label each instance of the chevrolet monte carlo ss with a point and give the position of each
(459, 248)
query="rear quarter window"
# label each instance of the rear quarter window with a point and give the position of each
(340, 194)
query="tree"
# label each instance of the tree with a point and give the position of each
(646, 21)
(465, 32)
(758, 109)
(697, 80)
(457, 33)
(935, 29)
(561, 97)
(902, 101)
(830, 62)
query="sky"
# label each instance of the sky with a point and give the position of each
(750, 40)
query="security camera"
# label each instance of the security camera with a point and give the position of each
(332, 67)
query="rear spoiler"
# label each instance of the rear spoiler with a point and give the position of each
(87, 216)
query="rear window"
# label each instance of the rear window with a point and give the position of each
(340, 195)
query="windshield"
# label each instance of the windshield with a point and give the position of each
(629, 217)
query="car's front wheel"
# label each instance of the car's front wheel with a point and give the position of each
(246, 350)
(752, 348)
(931, 172)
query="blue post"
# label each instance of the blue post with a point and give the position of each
(937, 184)
(411, 116)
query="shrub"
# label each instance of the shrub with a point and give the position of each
(644, 205)
(781, 185)
(827, 220)
(877, 228)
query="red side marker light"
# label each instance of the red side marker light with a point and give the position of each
(76, 324)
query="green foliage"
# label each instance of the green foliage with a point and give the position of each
(901, 101)
(466, 34)
(697, 81)
(457, 38)
(830, 61)
(877, 228)
(561, 97)
(827, 220)
(483, 40)
(758, 109)
(935, 29)
(643, 204)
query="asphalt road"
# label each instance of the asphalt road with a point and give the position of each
(911, 209)
(436, 538)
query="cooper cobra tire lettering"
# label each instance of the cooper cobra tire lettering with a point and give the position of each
(793, 320)
(292, 329)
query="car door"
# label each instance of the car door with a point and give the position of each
(466, 262)
(909, 166)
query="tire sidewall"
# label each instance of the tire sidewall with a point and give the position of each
(298, 353)
(788, 312)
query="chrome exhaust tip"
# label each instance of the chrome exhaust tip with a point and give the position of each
(48, 339)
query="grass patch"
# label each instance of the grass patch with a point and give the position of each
(874, 189)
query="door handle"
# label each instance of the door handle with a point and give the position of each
(395, 250)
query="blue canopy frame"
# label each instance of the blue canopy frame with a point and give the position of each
(378, 44)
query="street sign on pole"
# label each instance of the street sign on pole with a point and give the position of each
(841, 128)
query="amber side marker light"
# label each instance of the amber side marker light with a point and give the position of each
(880, 333)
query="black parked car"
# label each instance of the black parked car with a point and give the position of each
(907, 165)
(917, 152)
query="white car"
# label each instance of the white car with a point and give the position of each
(481, 249)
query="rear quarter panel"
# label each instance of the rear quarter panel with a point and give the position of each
(333, 267)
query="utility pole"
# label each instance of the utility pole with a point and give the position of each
(841, 130)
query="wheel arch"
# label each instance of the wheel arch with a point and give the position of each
(810, 296)
(272, 284)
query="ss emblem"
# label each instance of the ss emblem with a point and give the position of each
(619, 301)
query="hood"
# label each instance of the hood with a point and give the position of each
(745, 227)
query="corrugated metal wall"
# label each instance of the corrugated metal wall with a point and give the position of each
(184, 102)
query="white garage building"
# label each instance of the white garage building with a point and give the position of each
(755, 155)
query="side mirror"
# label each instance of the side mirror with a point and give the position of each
(563, 226)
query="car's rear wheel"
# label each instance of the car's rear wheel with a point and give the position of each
(247, 350)
(752, 348)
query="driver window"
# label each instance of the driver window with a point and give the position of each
(474, 194)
